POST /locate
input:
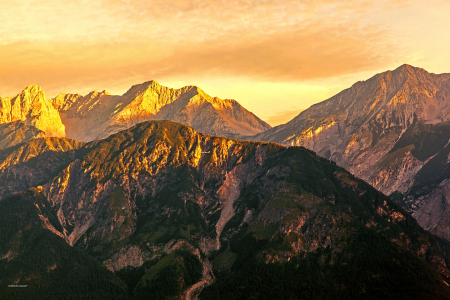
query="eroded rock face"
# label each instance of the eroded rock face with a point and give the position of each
(99, 114)
(130, 256)
(31, 108)
(14, 133)
(383, 130)
(34, 163)
(97, 196)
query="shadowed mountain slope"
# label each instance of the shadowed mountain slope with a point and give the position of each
(163, 207)
(34, 163)
(14, 133)
(31, 254)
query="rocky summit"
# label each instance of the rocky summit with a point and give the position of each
(26, 116)
(99, 114)
(162, 211)
(393, 131)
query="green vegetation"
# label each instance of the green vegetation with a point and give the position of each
(170, 276)
(114, 215)
(225, 260)
(361, 271)
(348, 245)
(287, 204)
(336, 205)
(263, 230)
(122, 152)
(45, 262)
(38, 146)
(42, 159)
(169, 215)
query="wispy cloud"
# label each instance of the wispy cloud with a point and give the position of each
(82, 44)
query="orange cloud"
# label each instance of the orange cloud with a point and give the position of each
(304, 54)
(316, 51)
(80, 45)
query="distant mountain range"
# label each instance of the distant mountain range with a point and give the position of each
(99, 114)
(172, 213)
(393, 131)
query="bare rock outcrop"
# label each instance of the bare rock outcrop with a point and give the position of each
(31, 107)
(99, 114)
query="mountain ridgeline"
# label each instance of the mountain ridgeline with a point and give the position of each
(164, 212)
(393, 131)
(99, 114)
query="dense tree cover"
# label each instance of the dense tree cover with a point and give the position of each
(371, 267)
(51, 269)
(364, 262)
(44, 262)
(166, 277)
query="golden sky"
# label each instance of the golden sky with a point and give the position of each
(275, 57)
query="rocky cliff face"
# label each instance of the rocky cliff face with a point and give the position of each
(31, 108)
(14, 133)
(156, 201)
(33, 163)
(377, 128)
(98, 114)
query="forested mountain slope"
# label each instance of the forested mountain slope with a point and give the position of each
(162, 206)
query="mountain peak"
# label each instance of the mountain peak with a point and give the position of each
(96, 93)
(195, 90)
(31, 108)
(153, 83)
(158, 195)
(384, 130)
(32, 93)
(142, 88)
(405, 68)
(33, 88)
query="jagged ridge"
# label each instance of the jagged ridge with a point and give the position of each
(255, 210)
(102, 114)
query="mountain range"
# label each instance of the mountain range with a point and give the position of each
(160, 210)
(99, 114)
(105, 197)
(392, 131)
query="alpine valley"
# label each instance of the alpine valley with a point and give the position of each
(106, 201)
